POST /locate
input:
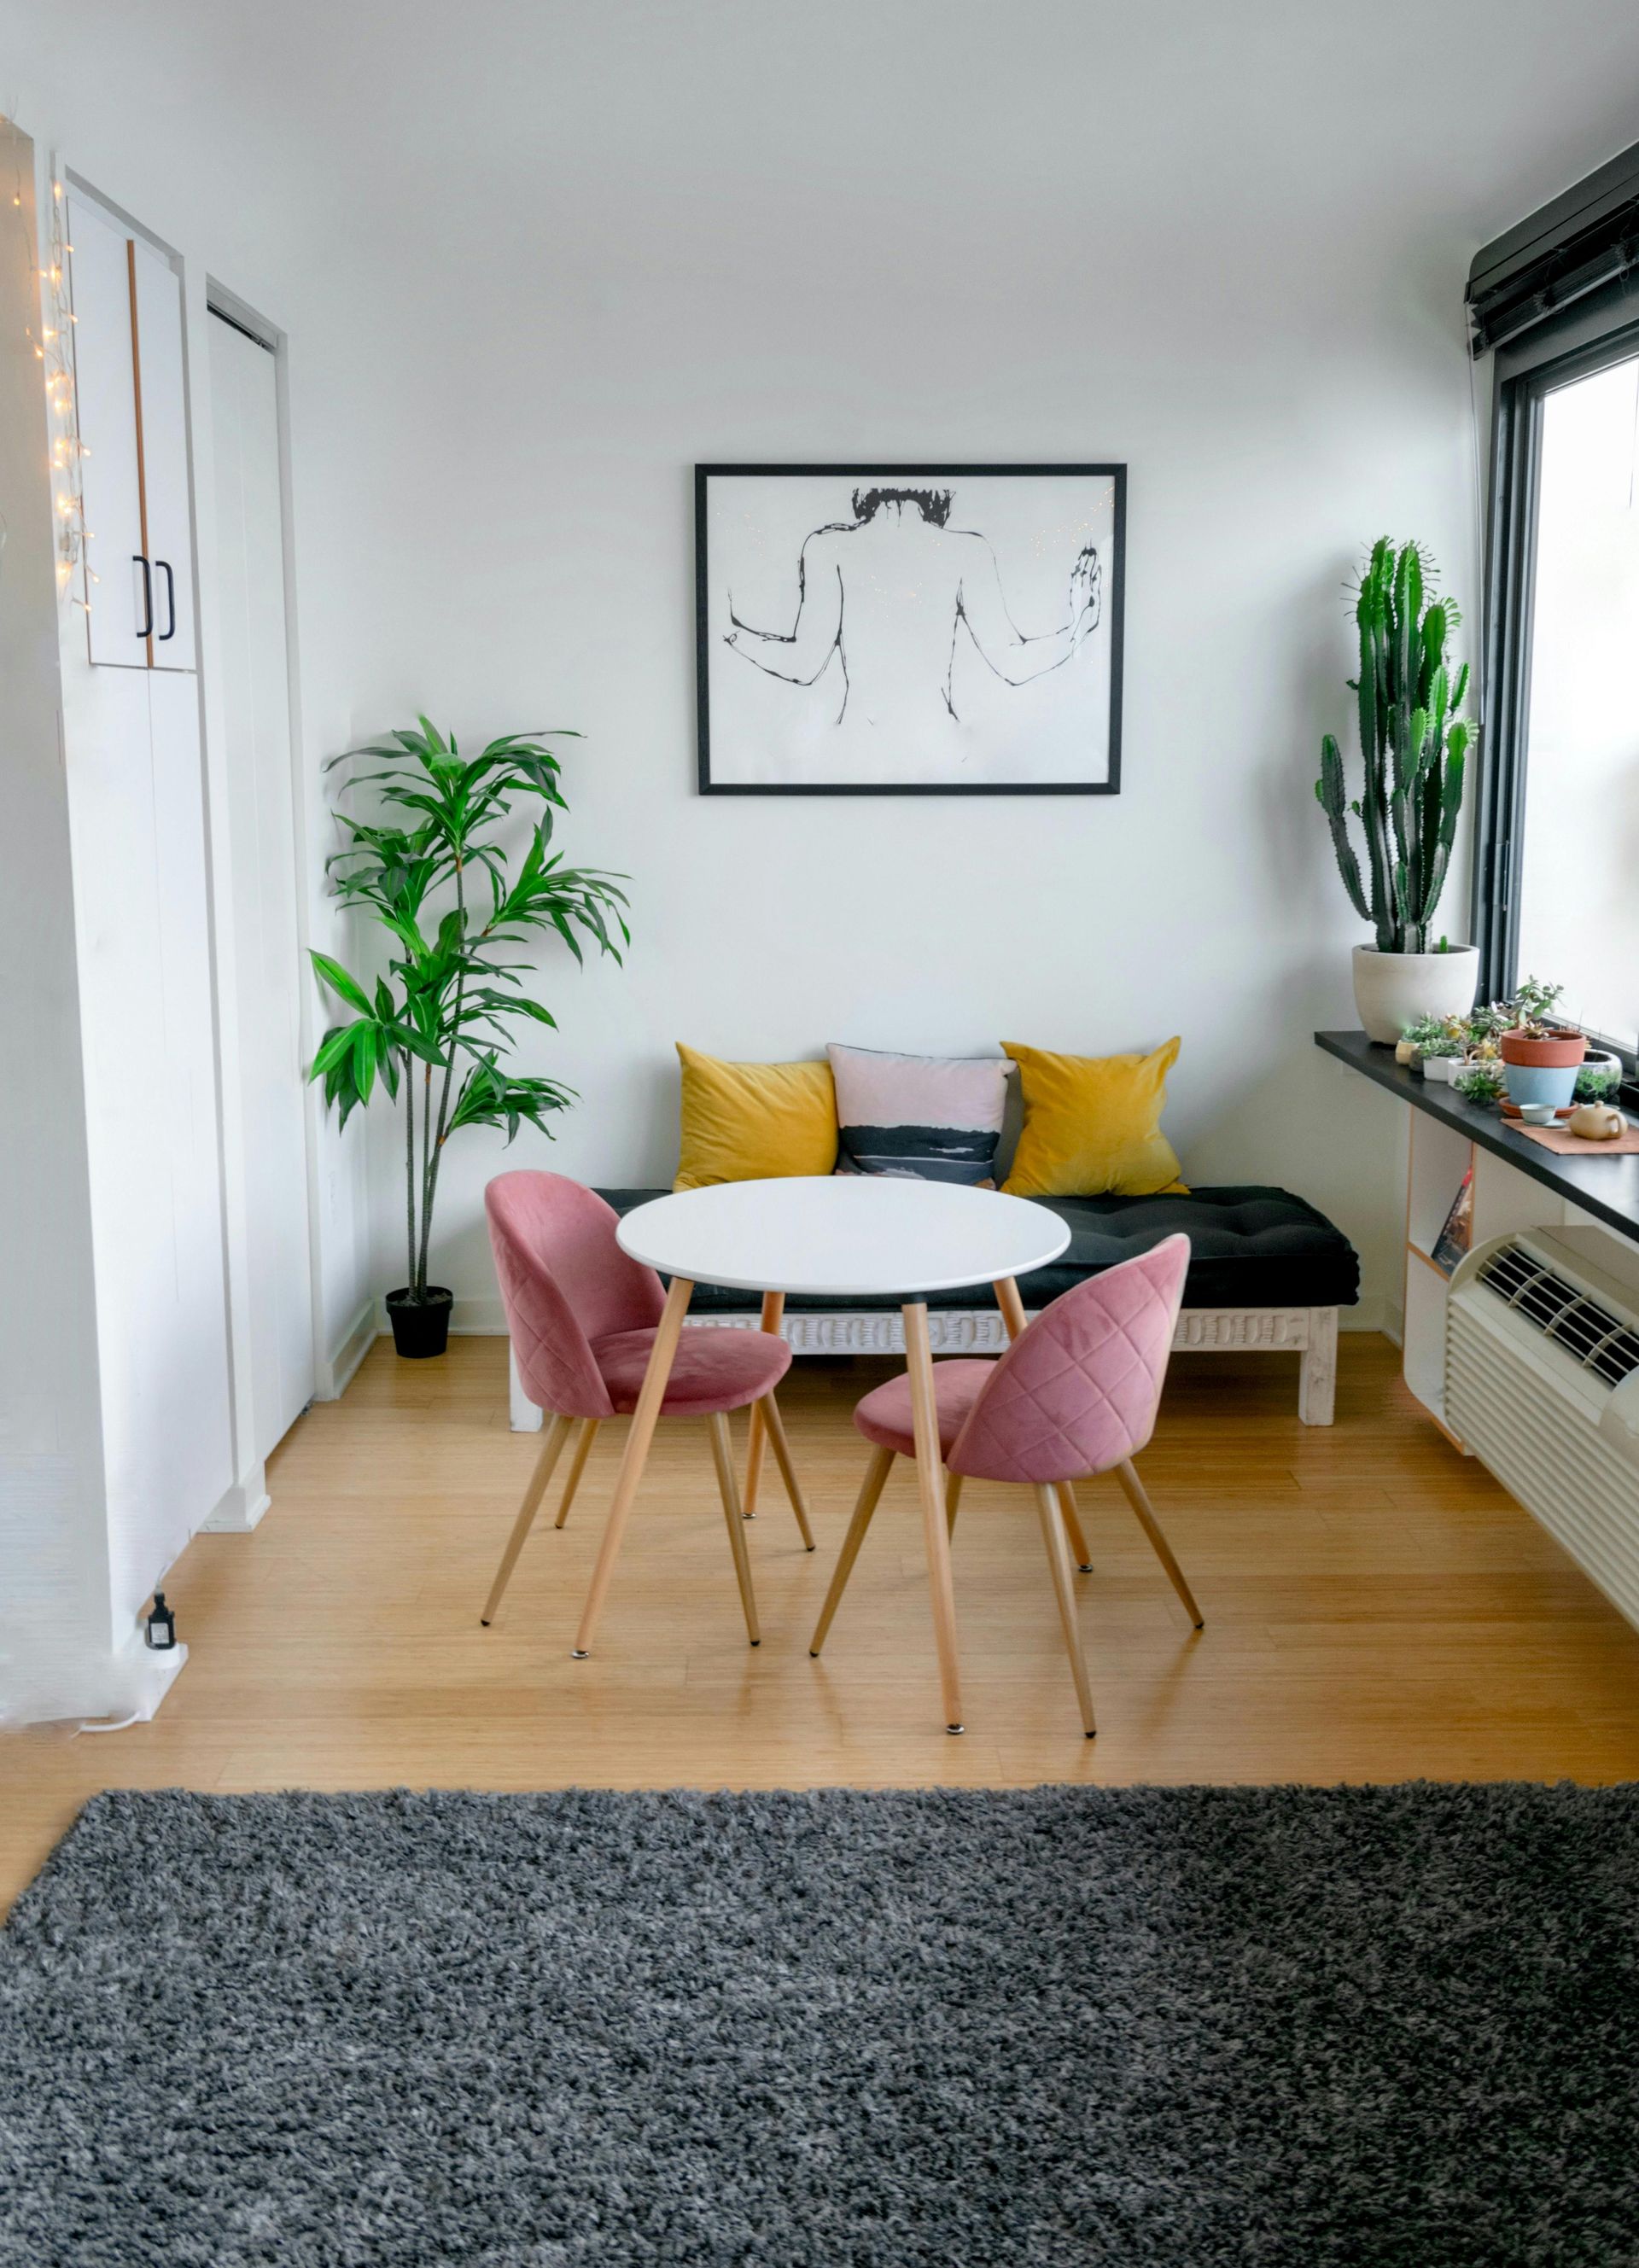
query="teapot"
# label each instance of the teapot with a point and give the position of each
(1597, 1122)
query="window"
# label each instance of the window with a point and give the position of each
(1555, 303)
(1577, 870)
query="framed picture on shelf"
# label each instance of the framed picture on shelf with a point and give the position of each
(909, 629)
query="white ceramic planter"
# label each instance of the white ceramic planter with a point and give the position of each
(1440, 1070)
(1392, 989)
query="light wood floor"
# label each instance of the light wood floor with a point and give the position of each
(1376, 1609)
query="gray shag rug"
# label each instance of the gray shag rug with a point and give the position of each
(1179, 2025)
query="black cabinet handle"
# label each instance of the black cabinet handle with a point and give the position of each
(146, 631)
(164, 565)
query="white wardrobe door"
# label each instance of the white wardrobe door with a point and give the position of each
(105, 388)
(250, 563)
(137, 816)
(164, 424)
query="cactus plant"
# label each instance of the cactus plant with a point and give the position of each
(1414, 743)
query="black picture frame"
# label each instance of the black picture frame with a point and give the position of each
(871, 468)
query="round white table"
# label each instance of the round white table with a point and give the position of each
(847, 1236)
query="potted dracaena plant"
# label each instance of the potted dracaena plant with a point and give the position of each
(453, 900)
(1414, 743)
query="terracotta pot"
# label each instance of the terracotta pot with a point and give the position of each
(1552, 1054)
(1542, 1071)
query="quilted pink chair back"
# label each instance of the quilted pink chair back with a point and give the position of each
(564, 1283)
(1077, 1391)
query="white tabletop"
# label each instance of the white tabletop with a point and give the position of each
(842, 1235)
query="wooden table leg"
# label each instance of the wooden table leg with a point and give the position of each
(930, 1480)
(635, 1457)
(757, 1440)
(1012, 1308)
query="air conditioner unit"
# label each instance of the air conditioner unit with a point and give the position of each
(1542, 1384)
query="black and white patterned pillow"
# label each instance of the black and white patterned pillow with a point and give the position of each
(929, 1118)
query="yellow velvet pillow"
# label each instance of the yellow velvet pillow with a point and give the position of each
(1092, 1125)
(754, 1121)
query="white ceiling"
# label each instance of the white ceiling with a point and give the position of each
(851, 132)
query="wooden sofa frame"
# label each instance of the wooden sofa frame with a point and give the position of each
(1311, 1332)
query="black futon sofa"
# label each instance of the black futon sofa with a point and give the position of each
(1266, 1271)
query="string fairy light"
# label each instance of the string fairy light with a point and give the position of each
(53, 346)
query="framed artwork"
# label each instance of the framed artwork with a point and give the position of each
(909, 629)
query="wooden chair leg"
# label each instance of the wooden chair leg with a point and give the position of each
(1064, 1591)
(875, 1474)
(551, 1449)
(953, 1497)
(634, 1457)
(1073, 1527)
(775, 1427)
(1135, 1495)
(774, 1312)
(723, 1457)
(577, 1466)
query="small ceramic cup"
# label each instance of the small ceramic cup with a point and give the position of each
(1538, 1114)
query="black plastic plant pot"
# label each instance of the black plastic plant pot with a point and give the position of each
(420, 1327)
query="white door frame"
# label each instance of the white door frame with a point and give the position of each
(218, 298)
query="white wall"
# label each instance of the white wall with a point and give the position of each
(54, 1546)
(533, 266)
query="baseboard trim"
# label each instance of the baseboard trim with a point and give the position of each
(139, 1679)
(356, 1342)
(238, 1508)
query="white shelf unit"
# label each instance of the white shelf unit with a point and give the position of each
(1504, 1199)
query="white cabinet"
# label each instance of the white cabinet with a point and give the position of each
(137, 820)
(133, 422)
(144, 926)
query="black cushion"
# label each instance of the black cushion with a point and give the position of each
(1248, 1248)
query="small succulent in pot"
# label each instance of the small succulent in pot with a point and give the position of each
(1480, 1081)
(1490, 1020)
(1532, 1008)
(1438, 1043)
(1599, 1080)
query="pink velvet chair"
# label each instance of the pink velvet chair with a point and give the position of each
(1075, 1395)
(582, 1314)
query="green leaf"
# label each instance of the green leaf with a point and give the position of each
(336, 1045)
(339, 983)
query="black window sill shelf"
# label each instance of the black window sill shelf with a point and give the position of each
(1607, 1187)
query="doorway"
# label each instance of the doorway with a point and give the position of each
(255, 690)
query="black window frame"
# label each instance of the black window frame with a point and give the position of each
(1575, 341)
